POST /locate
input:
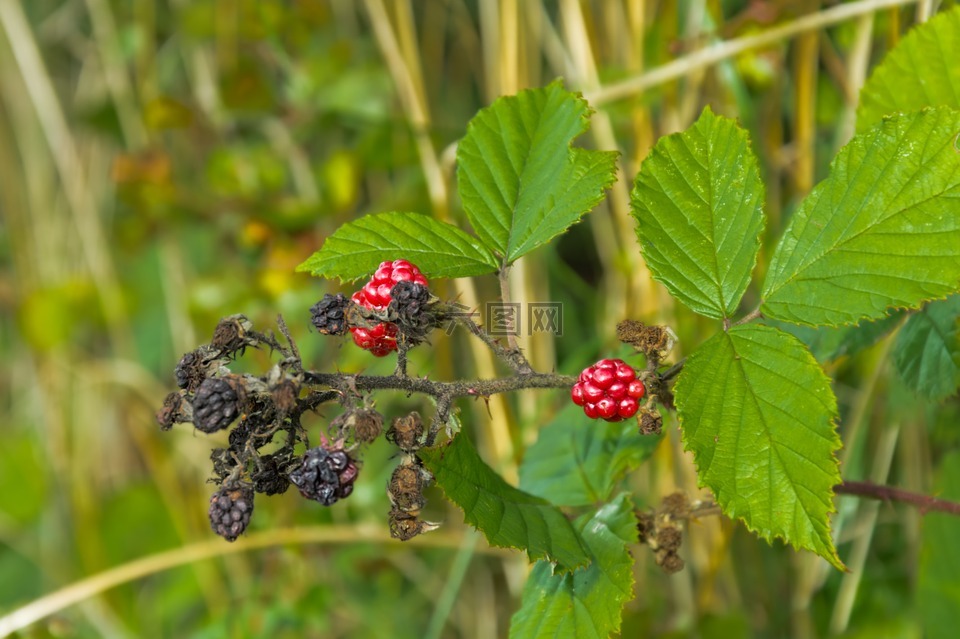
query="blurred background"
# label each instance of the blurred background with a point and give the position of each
(165, 163)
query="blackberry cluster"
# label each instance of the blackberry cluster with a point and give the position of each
(394, 304)
(326, 474)
(263, 413)
(376, 295)
(216, 404)
(230, 510)
(327, 315)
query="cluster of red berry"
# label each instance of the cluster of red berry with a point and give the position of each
(609, 390)
(375, 295)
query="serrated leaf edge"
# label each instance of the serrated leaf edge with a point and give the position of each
(724, 503)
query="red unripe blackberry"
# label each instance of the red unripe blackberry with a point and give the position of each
(628, 407)
(607, 408)
(576, 394)
(608, 390)
(375, 295)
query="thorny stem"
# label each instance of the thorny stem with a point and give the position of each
(512, 356)
(272, 341)
(439, 390)
(401, 369)
(443, 392)
(294, 352)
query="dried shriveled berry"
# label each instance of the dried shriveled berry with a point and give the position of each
(216, 404)
(270, 477)
(193, 368)
(284, 395)
(175, 410)
(655, 342)
(327, 314)
(230, 510)
(670, 562)
(407, 525)
(609, 390)
(224, 463)
(365, 424)
(405, 489)
(651, 423)
(404, 526)
(407, 432)
(410, 304)
(231, 334)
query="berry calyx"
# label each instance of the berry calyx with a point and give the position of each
(375, 295)
(608, 390)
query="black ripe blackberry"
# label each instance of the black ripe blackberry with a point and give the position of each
(327, 314)
(325, 475)
(230, 510)
(216, 404)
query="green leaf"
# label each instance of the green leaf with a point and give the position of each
(356, 249)
(927, 352)
(509, 518)
(520, 181)
(757, 412)
(938, 590)
(828, 343)
(698, 202)
(589, 601)
(919, 72)
(882, 231)
(578, 461)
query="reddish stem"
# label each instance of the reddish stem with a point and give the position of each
(924, 503)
